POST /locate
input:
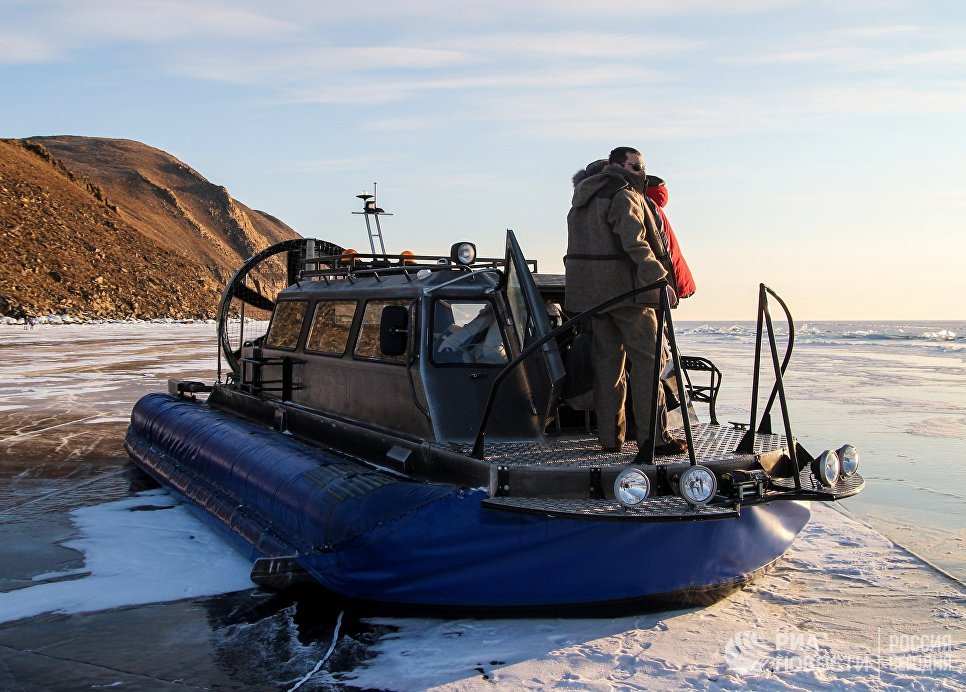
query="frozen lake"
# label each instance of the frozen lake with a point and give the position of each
(108, 582)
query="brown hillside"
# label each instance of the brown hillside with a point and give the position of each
(114, 228)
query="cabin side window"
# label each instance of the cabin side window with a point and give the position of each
(286, 324)
(330, 326)
(518, 306)
(367, 344)
(467, 332)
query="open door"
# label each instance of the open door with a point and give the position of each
(545, 368)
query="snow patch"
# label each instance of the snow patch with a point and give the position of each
(135, 557)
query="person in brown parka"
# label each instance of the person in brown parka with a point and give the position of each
(613, 247)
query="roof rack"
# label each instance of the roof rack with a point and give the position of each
(358, 265)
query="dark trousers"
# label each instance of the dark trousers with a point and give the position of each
(626, 333)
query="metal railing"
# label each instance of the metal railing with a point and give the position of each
(256, 384)
(747, 444)
(663, 312)
(359, 265)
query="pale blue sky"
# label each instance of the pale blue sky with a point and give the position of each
(817, 146)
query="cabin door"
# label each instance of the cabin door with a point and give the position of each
(544, 369)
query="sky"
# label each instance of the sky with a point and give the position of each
(818, 147)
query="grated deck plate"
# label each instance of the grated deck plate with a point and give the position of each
(846, 487)
(711, 443)
(666, 508)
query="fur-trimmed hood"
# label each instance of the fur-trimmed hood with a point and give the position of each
(591, 169)
(599, 177)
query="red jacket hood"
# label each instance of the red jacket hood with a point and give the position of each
(658, 193)
(682, 272)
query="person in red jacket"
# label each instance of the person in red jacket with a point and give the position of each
(657, 193)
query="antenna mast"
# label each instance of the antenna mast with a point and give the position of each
(369, 208)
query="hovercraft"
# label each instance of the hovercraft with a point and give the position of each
(397, 428)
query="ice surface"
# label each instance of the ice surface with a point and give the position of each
(846, 608)
(143, 549)
(898, 396)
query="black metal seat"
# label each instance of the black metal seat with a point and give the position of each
(705, 393)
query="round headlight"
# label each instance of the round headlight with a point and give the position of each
(697, 485)
(827, 468)
(632, 487)
(849, 456)
(463, 253)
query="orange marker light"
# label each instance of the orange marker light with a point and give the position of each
(405, 255)
(347, 255)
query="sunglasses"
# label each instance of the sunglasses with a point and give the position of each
(635, 166)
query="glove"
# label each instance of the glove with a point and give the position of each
(672, 297)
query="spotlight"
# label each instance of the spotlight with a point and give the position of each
(697, 485)
(632, 486)
(827, 468)
(463, 253)
(849, 456)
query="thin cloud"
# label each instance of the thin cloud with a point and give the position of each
(845, 56)
(857, 59)
(946, 98)
(588, 114)
(524, 83)
(320, 70)
(165, 20)
(27, 49)
(574, 44)
(413, 124)
(44, 32)
(861, 33)
(873, 48)
(501, 11)
(532, 80)
(949, 57)
(308, 66)
(327, 165)
(580, 113)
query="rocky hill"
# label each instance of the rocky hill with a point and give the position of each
(103, 228)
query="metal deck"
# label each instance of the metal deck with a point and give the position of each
(711, 443)
(666, 508)
(521, 465)
(845, 487)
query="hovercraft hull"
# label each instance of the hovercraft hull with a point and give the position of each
(368, 535)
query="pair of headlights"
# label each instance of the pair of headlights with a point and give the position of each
(696, 486)
(830, 466)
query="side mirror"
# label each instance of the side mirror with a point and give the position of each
(393, 330)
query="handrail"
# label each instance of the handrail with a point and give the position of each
(432, 289)
(679, 379)
(747, 444)
(765, 416)
(665, 309)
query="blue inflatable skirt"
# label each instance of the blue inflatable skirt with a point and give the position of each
(369, 535)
